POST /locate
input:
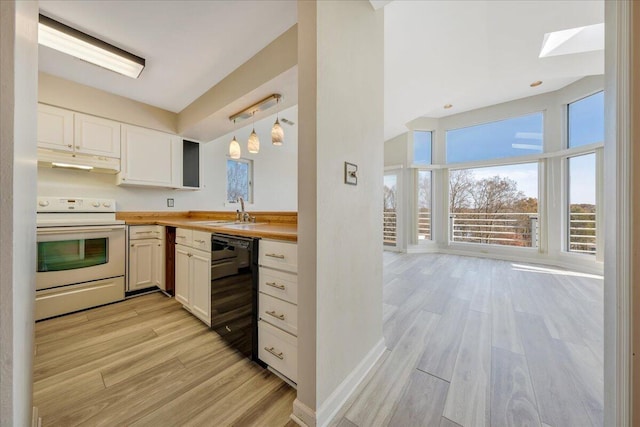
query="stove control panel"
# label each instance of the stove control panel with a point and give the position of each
(70, 204)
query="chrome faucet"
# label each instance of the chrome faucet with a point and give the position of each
(242, 215)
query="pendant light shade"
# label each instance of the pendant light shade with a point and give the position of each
(277, 133)
(234, 149)
(254, 142)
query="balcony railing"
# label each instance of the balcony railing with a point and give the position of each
(582, 232)
(389, 227)
(504, 228)
(424, 225)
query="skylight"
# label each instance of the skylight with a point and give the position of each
(574, 40)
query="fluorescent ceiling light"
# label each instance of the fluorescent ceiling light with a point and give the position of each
(70, 166)
(574, 40)
(68, 40)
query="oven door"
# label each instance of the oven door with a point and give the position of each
(68, 255)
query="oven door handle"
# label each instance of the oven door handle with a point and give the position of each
(75, 230)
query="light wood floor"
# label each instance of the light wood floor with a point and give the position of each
(147, 362)
(471, 342)
(476, 342)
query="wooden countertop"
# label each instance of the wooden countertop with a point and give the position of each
(264, 230)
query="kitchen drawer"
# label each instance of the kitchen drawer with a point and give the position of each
(279, 313)
(67, 299)
(146, 232)
(279, 350)
(280, 255)
(279, 284)
(184, 236)
(201, 240)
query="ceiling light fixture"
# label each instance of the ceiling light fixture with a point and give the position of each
(447, 106)
(277, 133)
(254, 143)
(234, 147)
(63, 38)
(536, 83)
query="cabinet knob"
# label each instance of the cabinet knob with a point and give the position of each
(77, 146)
(133, 246)
(69, 145)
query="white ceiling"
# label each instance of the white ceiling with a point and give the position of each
(466, 53)
(189, 46)
(476, 53)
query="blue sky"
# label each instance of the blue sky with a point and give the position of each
(524, 135)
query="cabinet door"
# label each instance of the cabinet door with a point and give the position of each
(182, 275)
(201, 285)
(96, 136)
(149, 158)
(159, 270)
(142, 262)
(55, 128)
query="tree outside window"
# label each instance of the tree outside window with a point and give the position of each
(239, 180)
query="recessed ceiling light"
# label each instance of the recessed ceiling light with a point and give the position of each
(447, 106)
(536, 83)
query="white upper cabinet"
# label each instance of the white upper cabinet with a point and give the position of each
(64, 130)
(96, 136)
(55, 128)
(150, 158)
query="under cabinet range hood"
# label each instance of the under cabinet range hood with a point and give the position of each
(100, 164)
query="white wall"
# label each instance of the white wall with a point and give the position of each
(18, 97)
(275, 177)
(339, 247)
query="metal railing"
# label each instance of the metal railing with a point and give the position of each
(424, 225)
(389, 227)
(582, 232)
(504, 228)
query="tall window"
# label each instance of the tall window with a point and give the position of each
(494, 205)
(424, 205)
(512, 137)
(390, 215)
(422, 154)
(585, 126)
(582, 204)
(239, 180)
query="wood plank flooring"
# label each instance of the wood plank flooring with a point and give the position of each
(476, 342)
(148, 362)
(471, 342)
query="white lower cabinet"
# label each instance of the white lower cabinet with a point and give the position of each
(193, 280)
(146, 257)
(278, 307)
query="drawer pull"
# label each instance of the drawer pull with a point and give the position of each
(273, 351)
(275, 285)
(180, 237)
(144, 232)
(199, 241)
(274, 314)
(275, 256)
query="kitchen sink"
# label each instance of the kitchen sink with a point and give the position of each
(243, 225)
(216, 222)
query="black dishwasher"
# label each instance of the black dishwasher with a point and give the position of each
(234, 291)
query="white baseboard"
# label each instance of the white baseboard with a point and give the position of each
(303, 415)
(307, 417)
(341, 394)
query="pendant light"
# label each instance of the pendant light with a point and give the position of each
(234, 147)
(277, 133)
(254, 142)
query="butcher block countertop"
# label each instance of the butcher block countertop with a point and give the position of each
(268, 225)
